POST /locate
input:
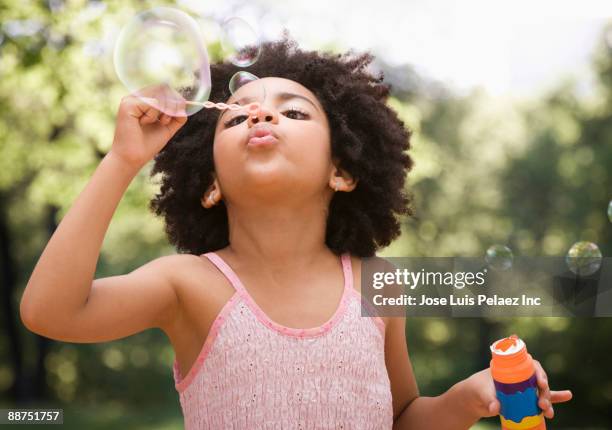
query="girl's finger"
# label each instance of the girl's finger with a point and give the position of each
(179, 116)
(150, 114)
(140, 108)
(134, 106)
(494, 407)
(541, 376)
(144, 113)
(560, 396)
(544, 402)
(550, 413)
(165, 119)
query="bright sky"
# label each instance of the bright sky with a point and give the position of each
(519, 47)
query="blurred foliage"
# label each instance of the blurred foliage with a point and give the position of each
(531, 174)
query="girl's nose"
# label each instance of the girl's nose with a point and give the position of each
(257, 112)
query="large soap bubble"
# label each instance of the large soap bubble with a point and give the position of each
(164, 47)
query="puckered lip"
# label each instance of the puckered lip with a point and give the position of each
(260, 131)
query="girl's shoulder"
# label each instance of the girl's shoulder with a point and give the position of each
(198, 272)
(202, 291)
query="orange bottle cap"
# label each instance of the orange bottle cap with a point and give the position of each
(511, 363)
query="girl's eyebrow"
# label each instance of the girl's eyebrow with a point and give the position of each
(279, 96)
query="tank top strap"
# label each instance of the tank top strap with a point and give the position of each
(348, 272)
(227, 271)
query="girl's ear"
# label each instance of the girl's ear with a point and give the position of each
(212, 195)
(341, 180)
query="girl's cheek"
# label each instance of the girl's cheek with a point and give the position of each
(224, 140)
(225, 152)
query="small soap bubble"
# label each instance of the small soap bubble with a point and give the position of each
(240, 43)
(253, 97)
(583, 258)
(163, 46)
(239, 79)
(499, 257)
(610, 211)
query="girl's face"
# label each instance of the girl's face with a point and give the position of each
(298, 162)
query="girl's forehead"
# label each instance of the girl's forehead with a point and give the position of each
(270, 85)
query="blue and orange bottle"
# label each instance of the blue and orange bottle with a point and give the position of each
(515, 381)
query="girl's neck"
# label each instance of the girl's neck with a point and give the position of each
(279, 238)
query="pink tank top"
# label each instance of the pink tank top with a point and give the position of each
(253, 373)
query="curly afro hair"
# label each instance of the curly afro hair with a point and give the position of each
(367, 138)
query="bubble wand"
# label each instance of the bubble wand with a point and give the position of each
(251, 107)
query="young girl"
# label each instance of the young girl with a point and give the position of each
(272, 210)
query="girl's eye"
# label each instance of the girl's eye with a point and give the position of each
(295, 110)
(292, 113)
(233, 121)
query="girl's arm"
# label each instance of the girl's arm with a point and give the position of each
(61, 299)
(459, 408)
(448, 411)
(404, 387)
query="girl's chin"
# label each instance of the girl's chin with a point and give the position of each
(264, 176)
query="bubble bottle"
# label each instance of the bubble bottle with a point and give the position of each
(515, 380)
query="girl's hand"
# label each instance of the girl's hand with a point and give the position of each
(481, 398)
(143, 128)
